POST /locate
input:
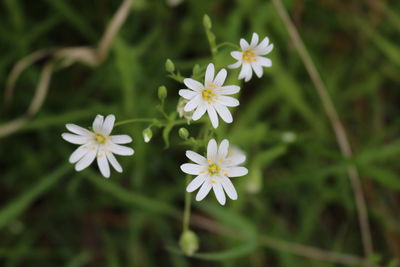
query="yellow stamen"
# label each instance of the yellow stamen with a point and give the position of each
(213, 181)
(100, 139)
(248, 56)
(213, 169)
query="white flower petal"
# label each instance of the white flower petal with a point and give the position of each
(187, 94)
(196, 183)
(195, 157)
(264, 50)
(244, 44)
(229, 90)
(223, 149)
(236, 171)
(235, 65)
(257, 69)
(245, 72)
(212, 150)
(86, 160)
(121, 139)
(108, 124)
(111, 158)
(229, 188)
(235, 160)
(223, 112)
(209, 77)
(98, 123)
(192, 104)
(191, 168)
(219, 193)
(78, 129)
(102, 162)
(193, 84)
(206, 187)
(254, 40)
(78, 153)
(120, 150)
(213, 116)
(75, 139)
(220, 78)
(199, 112)
(228, 101)
(237, 55)
(265, 62)
(264, 43)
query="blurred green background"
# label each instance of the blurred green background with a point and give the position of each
(297, 190)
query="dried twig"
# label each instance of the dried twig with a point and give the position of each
(336, 123)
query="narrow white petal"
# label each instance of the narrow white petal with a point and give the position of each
(223, 112)
(265, 62)
(229, 90)
(191, 168)
(212, 150)
(244, 44)
(237, 55)
(254, 40)
(195, 157)
(257, 69)
(229, 188)
(235, 65)
(192, 104)
(235, 160)
(223, 149)
(86, 160)
(121, 139)
(228, 101)
(111, 158)
(264, 50)
(102, 162)
(199, 112)
(264, 43)
(205, 188)
(213, 116)
(98, 123)
(75, 139)
(187, 94)
(209, 77)
(108, 124)
(220, 78)
(193, 84)
(120, 150)
(236, 171)
(196, 183)
(78, 153)
(78, 129)
(248, 75)
(219, 193)
(244, 72)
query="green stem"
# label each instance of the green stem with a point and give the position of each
(155, 121)
(187, 209)
(228, 44)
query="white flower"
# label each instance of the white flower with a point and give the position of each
(214, 171)
(250, 57)
(210, 97)
(97, 143)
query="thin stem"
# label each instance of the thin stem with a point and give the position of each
(136, 120)
(337, 125)
(187, 209)
(227, 44)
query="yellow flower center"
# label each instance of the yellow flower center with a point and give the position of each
(248, 56)
(208, 93)
(100, 139)
(214, 169)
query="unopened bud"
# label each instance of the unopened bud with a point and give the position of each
(169, 65)
(207, 22)
(162, 92)
(183, 133)
(196, 70)
(189, 242)
(254, 181)
(147, 135)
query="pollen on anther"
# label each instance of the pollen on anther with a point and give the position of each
(213, 181)
(225, 174)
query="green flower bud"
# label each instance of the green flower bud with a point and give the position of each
(169, 65)
(254, 181)
(196, 70)
(183, 133)
(162, 92)
(147, 135)
(207, 22)
(189, 242)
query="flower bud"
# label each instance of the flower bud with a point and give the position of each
(147, 135)
(169, 65)
(162, 92)
(196, 70)
(254, 181)
(207, 22)
(183, 133)
(189, 243)
(289, 137)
